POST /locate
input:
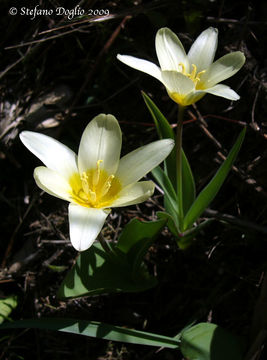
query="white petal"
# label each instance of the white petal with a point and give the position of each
(141, 65)
(85, 225)
(52, 182)
(139, 162)
(222, 69)
(135, 193)
(176, 82)
(203, 50)
(51, 152)
(101, 140)
(223, 91)
(192, 97)
(170, 51)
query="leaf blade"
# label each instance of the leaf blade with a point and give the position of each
(164, 131)
(209, 192)
(96, 329)
(207, 341)
(189, 187)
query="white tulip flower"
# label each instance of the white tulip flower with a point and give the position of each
(97, 179)
(188, 77)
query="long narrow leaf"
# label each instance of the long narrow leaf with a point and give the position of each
(162, 125)
(189, 188)
(96, 329)
(166, 185)
(164, 131)
(209, 192)
(171, 222)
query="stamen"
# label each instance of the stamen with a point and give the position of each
(92, 196)
(183, 68)
(107, 185)
(201, 72)
(193, 73)
(84, 179)
(96, 175)
(194, 76)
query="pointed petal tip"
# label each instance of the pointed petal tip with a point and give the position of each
(22, 134)
(223, 91)
(164, 30)
(213, 29)
(168, 142)
(102, 116)
(242, 57)
(25, 136)
(101, 140)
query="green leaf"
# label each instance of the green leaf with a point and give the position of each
(136, 231)
(6, 307)
(209, 192)
(164, 131)
(170, 210)
(189, 187)
(172, 225)
(98, 272)
(162, 125)
(96, 329)
(134, 241)
(166, 185)
(57, 268)
(207, 341)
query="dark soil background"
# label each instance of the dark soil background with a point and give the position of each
(56, 74)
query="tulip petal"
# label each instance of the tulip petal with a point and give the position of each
(135, 193)
(178, 83)
(51, 152)
(190, 98)
(139, 162)
(223, 91)
(222, 69)
(52, 182)
(203, 50)
(170, 51)
(141, 65)
(85, 225)
(101, 140)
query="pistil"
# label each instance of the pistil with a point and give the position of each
(96, 174)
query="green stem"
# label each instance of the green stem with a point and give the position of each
(179, 133)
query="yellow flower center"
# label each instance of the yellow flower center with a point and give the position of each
(194, 75)
(95, 188)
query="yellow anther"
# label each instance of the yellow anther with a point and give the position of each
(101, 194)
(81, 194)
(84, 179)
(107, 185)
(194, 75)
(199, 74)
(183, 68)
(92, 196)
